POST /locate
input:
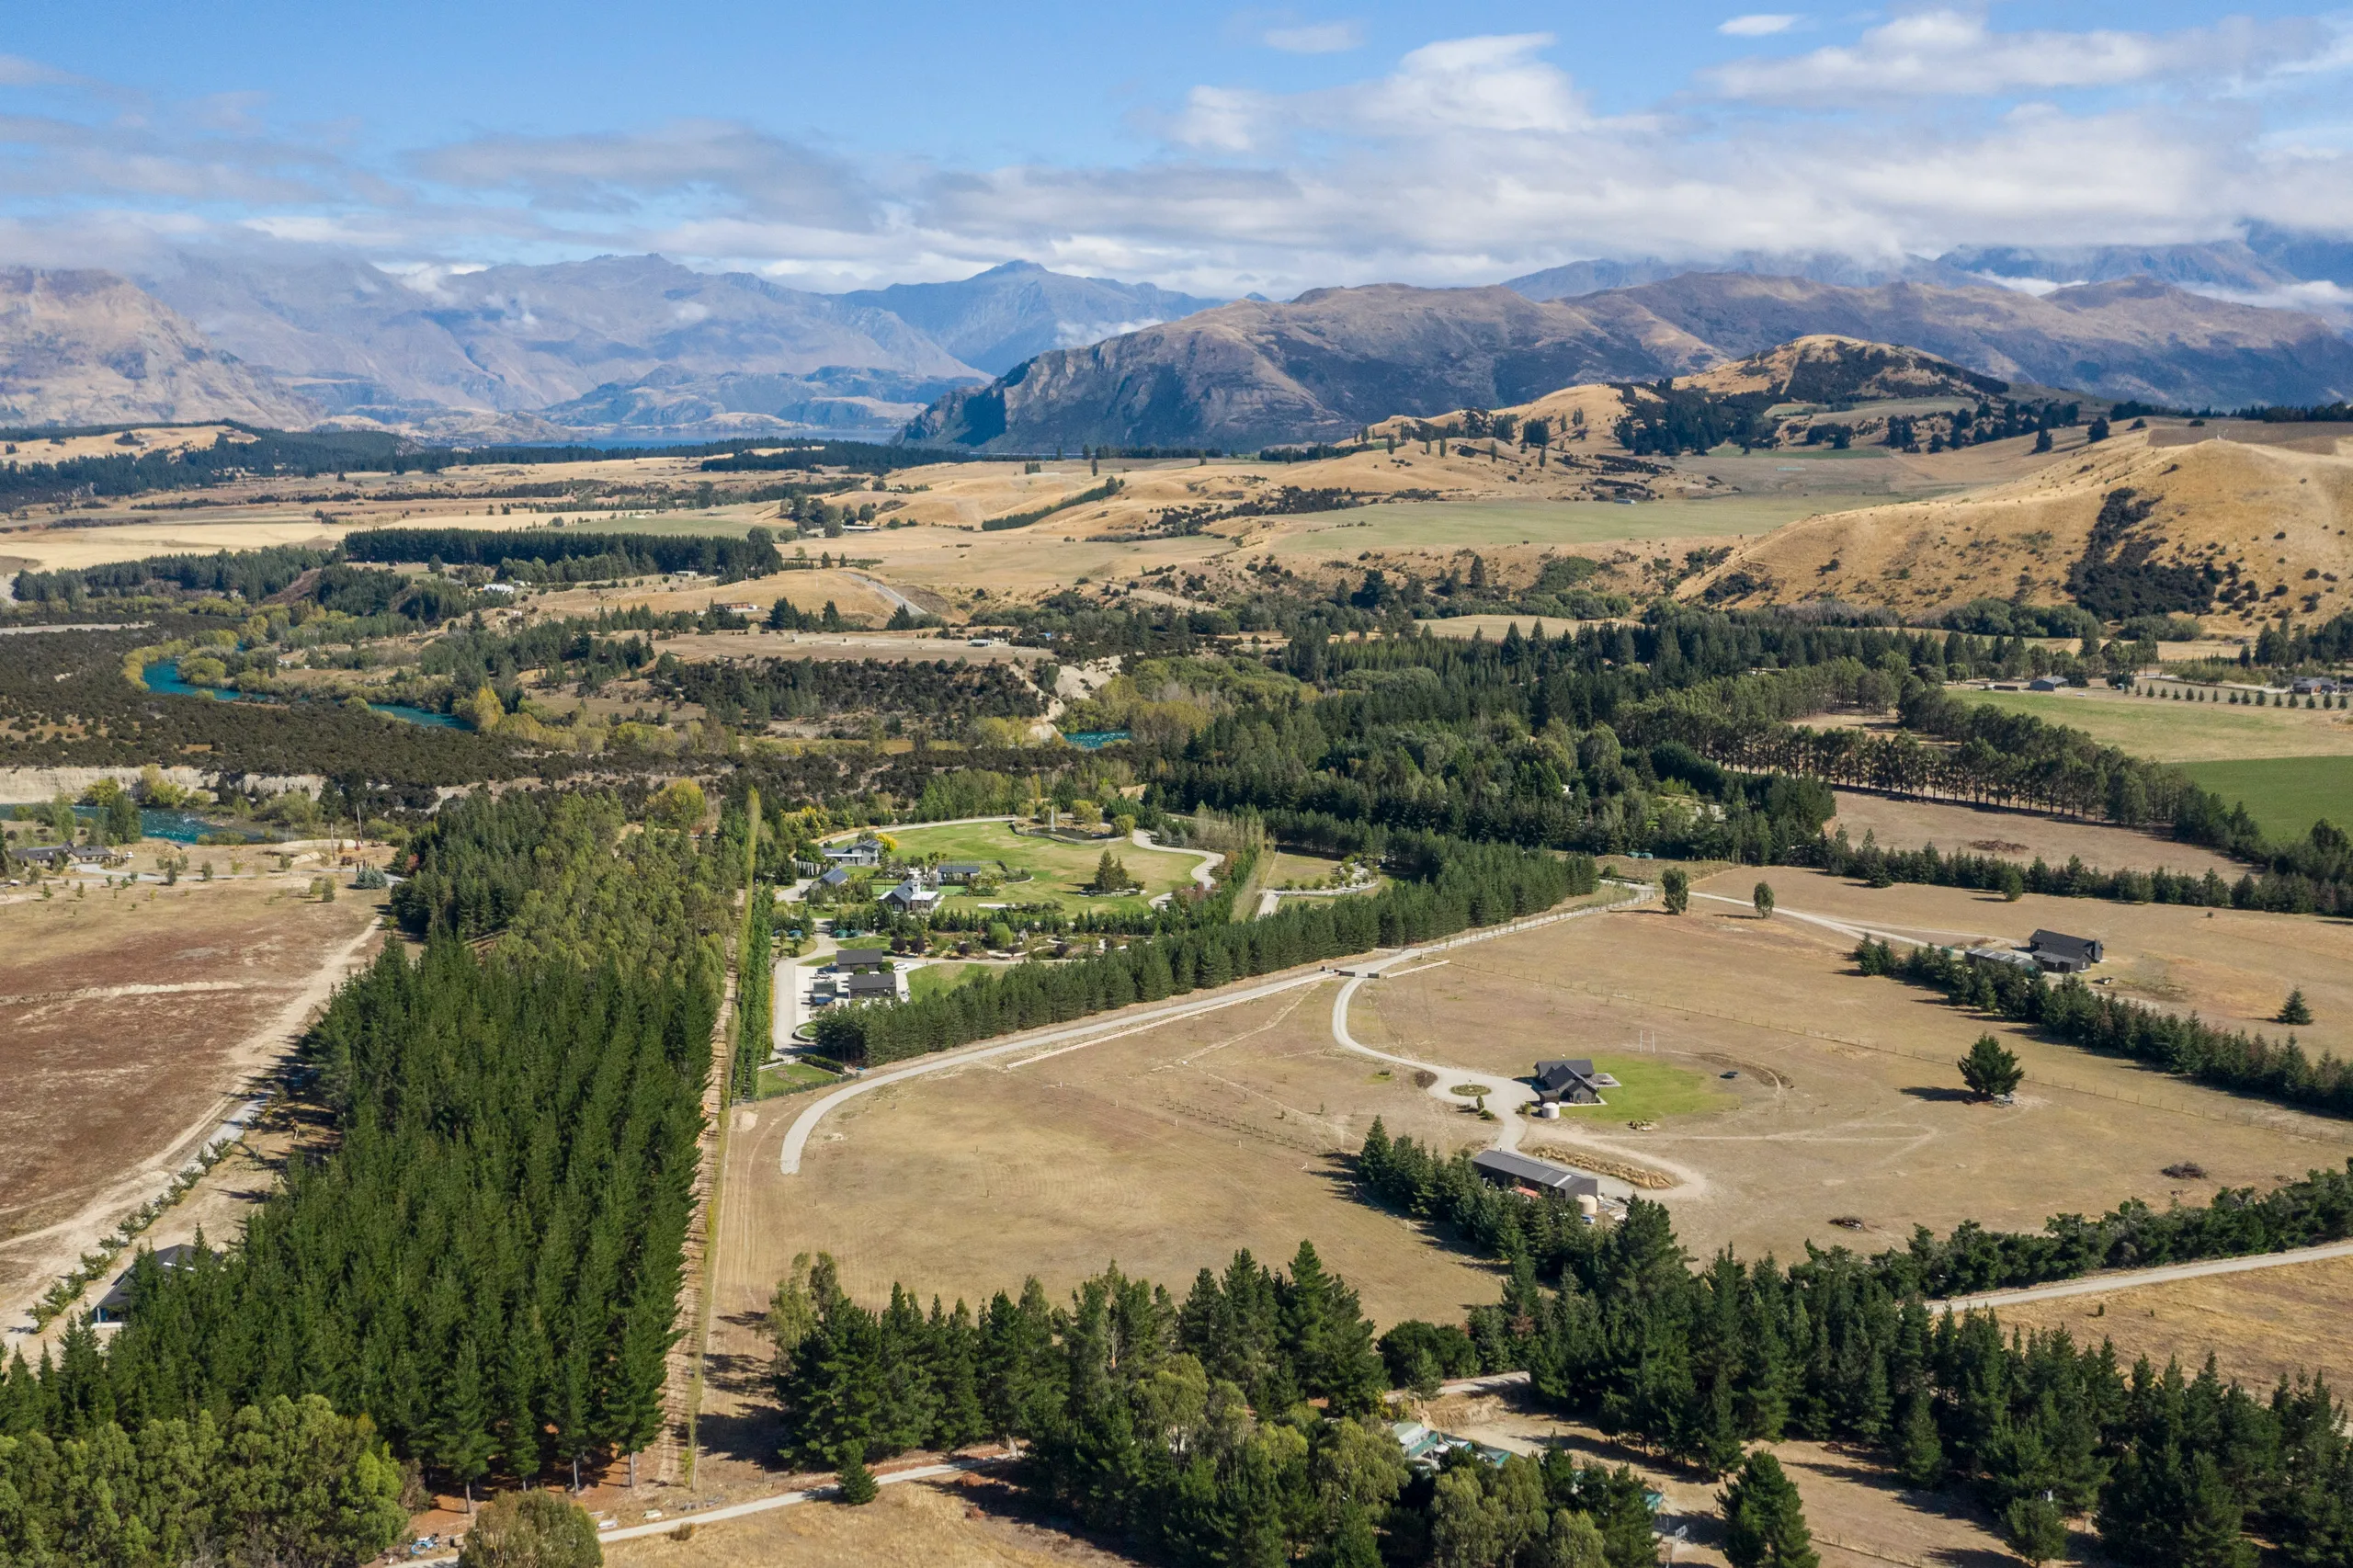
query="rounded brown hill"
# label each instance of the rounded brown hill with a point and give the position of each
(1822, 370)
(2270, 522)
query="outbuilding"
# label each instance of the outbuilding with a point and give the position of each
(1501, 1167)
(884, 985)
(2062, 954)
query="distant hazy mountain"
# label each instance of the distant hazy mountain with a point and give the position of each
(1335, 360)
(1576, 279)
(88, 348)
(2134, 337)
(355, 338)
(2267, 262)
(998, 318)
(672, 402)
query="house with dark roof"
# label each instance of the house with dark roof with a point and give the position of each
(115, 1305)
(911, 897)
(861, 961)
(835, 877)
(878, 985)
(866, 852)
(1502, 1167)
(1570, 1081)
(2062, 954)
(963, 871)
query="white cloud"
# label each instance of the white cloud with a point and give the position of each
(1316, 38)
(1954, 53)
(1463, 161)
(1757, 23)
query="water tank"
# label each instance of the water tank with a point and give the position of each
(1589, 1206)
(1549, 1111)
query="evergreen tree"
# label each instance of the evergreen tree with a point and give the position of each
(2296, 1010)
(855, 1482)
(2036, 1529)
(1989, 1069)
(1674, 887)
(1763, 898)
(1764, 1521)
(531, 1529)
(1920, 1452)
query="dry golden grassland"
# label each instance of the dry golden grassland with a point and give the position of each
(1848, 1103)
(1955, 828)
(2279, 512)
(921, 1524)
(2260, 1327)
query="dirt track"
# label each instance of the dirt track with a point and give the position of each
(115, 1080)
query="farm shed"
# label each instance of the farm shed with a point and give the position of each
(2062, 954)
(1503, 1168)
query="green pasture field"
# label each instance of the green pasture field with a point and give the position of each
(1650, 1089)
(1409, 525)
(1057, 870)
(2284, 794)
(2164, 731)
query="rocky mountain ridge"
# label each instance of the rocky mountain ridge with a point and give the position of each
(1335, 360)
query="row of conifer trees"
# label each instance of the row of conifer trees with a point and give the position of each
(1239, 1425)
(1466, 885)
(483, 1269)
(1700, 1363)
(2244, 1062)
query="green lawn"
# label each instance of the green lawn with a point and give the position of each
(1057, 870)
(2285, 794)
(793, 1078)
(2164, 731)
(1649, 1089)
(934, 978)
(856, 944)
(1406, 525)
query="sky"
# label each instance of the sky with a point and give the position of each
(1207, 148)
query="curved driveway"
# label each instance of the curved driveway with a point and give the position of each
(1116, 1025)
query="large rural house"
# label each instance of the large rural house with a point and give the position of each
(1571, 1082)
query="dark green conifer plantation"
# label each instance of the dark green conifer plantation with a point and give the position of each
(484, 1267)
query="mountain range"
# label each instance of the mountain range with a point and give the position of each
(623, 347)
(1335, 360)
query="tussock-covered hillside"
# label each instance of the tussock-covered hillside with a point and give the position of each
(2232, 529)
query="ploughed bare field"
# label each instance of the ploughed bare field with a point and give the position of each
(2021, 835)
(135, 1021)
